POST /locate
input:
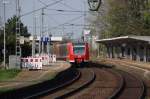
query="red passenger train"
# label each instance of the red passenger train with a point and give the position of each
(78, 52)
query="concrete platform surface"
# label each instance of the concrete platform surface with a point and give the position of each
(131, 63)
(26, 77)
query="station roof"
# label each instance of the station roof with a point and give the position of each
(125, 39)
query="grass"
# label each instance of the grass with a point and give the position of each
(49, 76)
(5, 90)
(8, 74)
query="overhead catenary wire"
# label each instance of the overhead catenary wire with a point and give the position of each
(48, 5)
(68, 6)
(78, 24)
(42, 2)
(53, 19)
(61, 10)
(65, 14)
(46, 14)
(54, 9)
(76, 18)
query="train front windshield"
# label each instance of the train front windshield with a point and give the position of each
(78, 50)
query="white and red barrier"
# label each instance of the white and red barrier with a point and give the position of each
(53, 58)
(37, 62)
(31, 63)
(47, 59)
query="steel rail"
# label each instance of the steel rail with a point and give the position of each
(87, 77)
(128, 84)
(56, 88)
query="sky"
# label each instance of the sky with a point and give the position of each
(63, 18)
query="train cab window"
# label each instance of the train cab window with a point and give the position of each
(78, 50)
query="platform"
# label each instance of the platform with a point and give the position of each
(26, 77)
(124, 62)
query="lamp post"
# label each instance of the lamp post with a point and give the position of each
(4, 3)
(0, 22)
(4, 38)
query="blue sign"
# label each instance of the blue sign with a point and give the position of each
(45, 40)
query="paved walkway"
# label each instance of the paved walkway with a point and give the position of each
(143, 67)
(125, 61)
(26, 77)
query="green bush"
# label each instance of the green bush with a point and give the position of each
(8, 74)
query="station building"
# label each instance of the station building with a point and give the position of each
(128, 47)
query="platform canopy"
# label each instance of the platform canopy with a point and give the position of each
(126, 39)
(129, 47)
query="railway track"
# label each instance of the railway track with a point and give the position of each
(106, 83)
(87, 77)
(34, 91)
(97, 83)
(106, 86)
(134, 69)
(132, 87)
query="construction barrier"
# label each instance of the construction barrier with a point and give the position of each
(47, 59)
(31, 63)
(37, 62)
(53, 58)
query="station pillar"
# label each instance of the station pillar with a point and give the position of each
(123, 52)
(119, 52)
(145, 54)
(131, 54)
(126, 52)
(115, 51)
(107, 55)
(148, 53)
(138, 53)
(111, 52)
(108, 51)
